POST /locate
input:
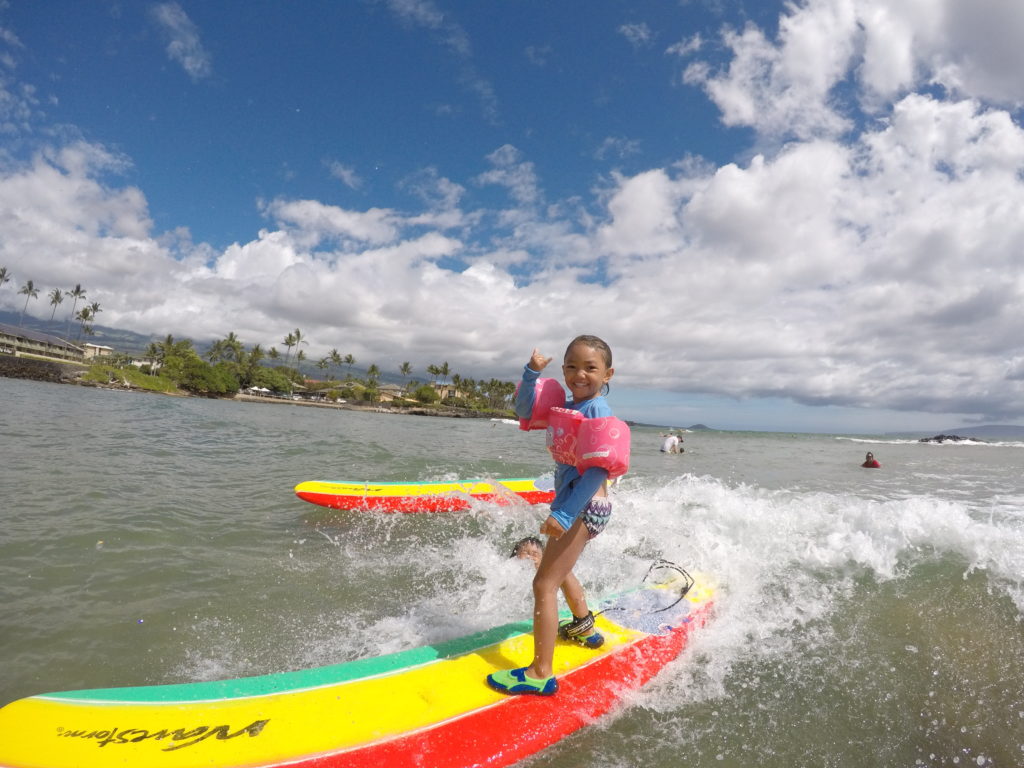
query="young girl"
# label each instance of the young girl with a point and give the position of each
(579, 512)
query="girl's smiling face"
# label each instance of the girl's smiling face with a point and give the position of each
(586, 371)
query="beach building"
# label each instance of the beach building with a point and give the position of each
(93, 351)
(21, 341)
(390, 392)
(446, 390)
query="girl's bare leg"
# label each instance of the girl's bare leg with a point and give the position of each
(560, 555)
(574, 595)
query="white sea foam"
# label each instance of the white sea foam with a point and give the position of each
(782, 560)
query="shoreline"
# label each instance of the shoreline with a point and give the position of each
(53, 372)
(402, 410)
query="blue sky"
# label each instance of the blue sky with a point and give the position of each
(795, 216)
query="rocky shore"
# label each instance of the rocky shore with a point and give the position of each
(407, 410)
(948, 439)
(40, 370)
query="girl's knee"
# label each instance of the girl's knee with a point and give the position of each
(544, 584)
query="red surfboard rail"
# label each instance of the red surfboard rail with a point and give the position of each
(520, 726)
(426, 706)
(424, 497)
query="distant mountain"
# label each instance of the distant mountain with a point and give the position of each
(698, 427)
(120, 340)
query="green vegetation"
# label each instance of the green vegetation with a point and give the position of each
(229, 368)
(104, 373)
(175, 366)
(426, 394)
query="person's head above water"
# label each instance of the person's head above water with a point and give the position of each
(530, 548)
(587, 367)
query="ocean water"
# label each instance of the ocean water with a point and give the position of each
(863, 618)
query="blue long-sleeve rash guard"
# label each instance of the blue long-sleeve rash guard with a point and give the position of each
(572, 490)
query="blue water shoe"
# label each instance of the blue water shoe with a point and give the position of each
(515, 681)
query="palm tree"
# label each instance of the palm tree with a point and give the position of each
(233, 347)
(372, 373)
(466, 388)
(78, 292)
(56, 297)
(248, 365)
(289, 342)
(405, 369)
(501, 393)
(335, 358)
(349, 361)
(216, 351)
(297, 334)
(273, 354)
(95, 307)
(443, 371)
(5, 276)
(165, 349)
(30, 292)
(300, 356)
(152, 355)
(84, 316)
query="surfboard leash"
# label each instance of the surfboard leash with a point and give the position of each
(688, 582)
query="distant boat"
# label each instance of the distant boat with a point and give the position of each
(507, 421)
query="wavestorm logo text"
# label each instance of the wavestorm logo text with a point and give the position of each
(179, 737)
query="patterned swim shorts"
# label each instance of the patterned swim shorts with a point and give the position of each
(596, 515)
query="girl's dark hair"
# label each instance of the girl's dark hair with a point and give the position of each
(594, 343)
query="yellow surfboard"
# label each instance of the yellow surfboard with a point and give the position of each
(425, 497)
(426, 706)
